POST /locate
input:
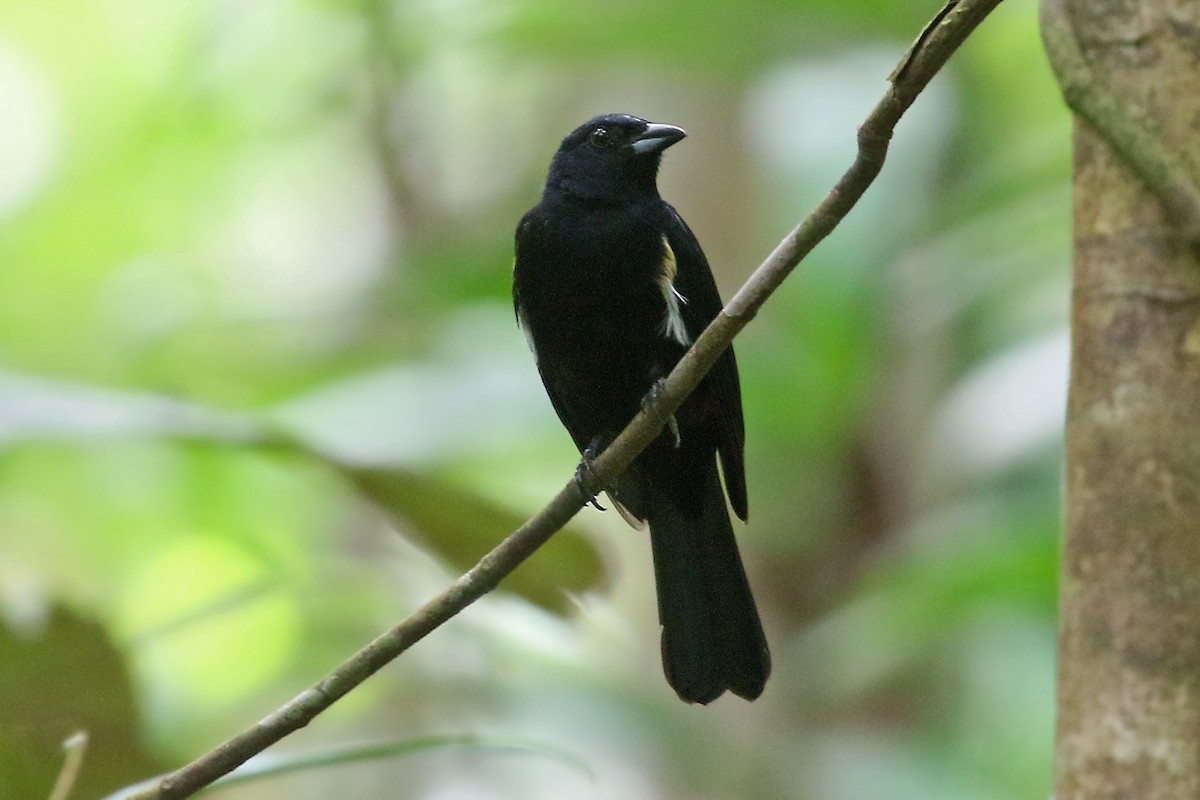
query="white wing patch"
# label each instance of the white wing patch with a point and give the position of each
(523, 324)
(673, 326)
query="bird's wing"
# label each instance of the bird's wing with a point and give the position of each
(527, 245)
(627, 496)
(701, 303)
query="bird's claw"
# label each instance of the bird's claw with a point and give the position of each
(587, 480)
(651, 405)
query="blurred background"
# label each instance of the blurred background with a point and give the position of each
(262, 394)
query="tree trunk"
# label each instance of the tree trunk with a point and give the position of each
(1129, 646)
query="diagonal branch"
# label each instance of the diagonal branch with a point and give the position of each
(954, 22)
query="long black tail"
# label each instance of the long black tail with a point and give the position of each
(712, 639)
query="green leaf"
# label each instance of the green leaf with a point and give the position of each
(458, 524)
(268, 765)
(461, 526)
(57, 677)
(39, 409)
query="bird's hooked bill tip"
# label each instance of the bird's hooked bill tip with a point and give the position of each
(657, 137)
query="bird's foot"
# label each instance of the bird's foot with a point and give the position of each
(586, 478)
(652, 403)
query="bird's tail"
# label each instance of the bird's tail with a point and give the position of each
(712, 639)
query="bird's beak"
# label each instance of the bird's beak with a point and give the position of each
(656, 138)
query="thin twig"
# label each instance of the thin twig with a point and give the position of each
(1119, 122)
(74, 749)
(955, 22)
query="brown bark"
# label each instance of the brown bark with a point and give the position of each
(1129, 647)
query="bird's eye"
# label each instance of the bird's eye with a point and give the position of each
(600, 137)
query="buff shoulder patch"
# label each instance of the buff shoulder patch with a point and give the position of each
(673, 326)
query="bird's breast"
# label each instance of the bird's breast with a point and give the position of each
(591, 293)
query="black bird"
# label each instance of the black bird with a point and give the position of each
(611, 288)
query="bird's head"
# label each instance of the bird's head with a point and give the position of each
(611, 158)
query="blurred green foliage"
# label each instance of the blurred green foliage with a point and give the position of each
(261, 393)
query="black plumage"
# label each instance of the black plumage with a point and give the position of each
(611, 287)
